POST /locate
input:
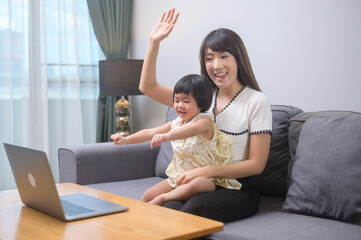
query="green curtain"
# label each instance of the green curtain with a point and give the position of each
(111, 21)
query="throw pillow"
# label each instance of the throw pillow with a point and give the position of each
(325, 178)
(295, 126)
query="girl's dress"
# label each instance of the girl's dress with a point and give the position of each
(195, 152)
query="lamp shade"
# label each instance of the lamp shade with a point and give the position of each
(120, 77)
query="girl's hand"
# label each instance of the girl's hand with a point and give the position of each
(192, 174)
(158, 139)
(117, 138)
(164, 26)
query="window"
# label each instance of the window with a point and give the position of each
(48, 77)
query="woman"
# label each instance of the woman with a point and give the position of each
(239, 109)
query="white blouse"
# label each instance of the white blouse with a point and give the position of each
(249, 112)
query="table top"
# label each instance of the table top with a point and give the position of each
(141, 221)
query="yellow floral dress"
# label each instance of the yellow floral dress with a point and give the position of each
(195, 152)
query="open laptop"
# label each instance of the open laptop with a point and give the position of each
(37, 188)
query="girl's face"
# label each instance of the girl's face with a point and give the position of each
(185, 106)
(221, 68)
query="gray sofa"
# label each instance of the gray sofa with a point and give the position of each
(310, 188)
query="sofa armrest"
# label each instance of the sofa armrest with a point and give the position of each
(105, 162)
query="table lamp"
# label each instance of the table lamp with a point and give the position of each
(120, 78)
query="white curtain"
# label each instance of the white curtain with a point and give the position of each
(48, 77)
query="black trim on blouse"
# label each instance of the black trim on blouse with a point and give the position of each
(234, 134)
(262, 131)
(215, 102)
(246, 131)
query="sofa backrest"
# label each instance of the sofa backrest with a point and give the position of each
(273, 179)
(165, 153)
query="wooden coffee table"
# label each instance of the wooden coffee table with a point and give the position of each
(142, 220)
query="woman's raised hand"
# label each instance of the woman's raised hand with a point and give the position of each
(164, 26)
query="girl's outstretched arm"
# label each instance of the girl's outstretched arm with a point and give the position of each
(202, 126)
(148, 81)
(141, 136)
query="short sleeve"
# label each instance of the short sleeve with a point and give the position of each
(260, 115)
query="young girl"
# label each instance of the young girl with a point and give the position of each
(239, 109)
(195, 141)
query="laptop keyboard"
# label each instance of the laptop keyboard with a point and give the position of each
(73, 209)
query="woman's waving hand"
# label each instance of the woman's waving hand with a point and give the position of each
(165, 26)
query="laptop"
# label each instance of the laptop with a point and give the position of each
(37, 188)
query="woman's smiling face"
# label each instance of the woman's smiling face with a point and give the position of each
(222, 68)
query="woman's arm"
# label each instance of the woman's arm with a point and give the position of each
(202, 126)
(254, 165)
(148, 81)
(141, 136)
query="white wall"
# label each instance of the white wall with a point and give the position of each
(305, 53)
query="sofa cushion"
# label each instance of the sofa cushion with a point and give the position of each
(130, 188)
(272, 181)
(270, 223)
(327, 170)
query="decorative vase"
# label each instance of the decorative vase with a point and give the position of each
(122, 120)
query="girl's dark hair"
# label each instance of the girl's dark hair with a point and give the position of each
(225, 40)
(198, 87)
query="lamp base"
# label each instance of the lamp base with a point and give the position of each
(122, 121)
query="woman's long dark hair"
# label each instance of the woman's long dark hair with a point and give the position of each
(225, 40)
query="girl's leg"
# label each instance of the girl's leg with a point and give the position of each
(185, 191)
(156, 190)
